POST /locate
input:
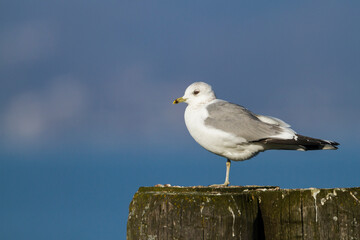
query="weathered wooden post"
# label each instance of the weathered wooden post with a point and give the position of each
(244, 213)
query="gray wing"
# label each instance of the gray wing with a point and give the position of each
(239, 121)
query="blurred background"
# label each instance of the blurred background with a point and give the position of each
(86, 114)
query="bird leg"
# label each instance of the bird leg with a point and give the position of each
(226, 183)
(228, 163)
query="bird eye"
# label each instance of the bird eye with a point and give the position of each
(196, 92)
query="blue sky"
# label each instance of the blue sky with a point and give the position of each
(86, 91)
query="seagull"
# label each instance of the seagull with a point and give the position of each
(232, 131)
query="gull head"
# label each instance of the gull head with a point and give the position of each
(197, 93)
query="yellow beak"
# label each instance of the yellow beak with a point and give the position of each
(179, 100)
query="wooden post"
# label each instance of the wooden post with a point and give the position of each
(244, 213)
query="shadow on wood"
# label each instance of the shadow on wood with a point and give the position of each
(244, 213)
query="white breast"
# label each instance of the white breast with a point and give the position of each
(214, 140)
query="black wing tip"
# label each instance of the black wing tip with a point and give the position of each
(301, 142)
(333, 143)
